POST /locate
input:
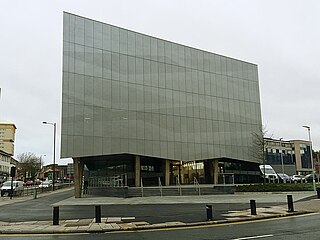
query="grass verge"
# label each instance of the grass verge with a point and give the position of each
(275, 187)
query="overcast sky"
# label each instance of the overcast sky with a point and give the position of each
(281, 37)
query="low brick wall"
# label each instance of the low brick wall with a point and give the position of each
(109, 192)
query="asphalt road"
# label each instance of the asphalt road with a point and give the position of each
(40, 209)
(32, 209)
(298, 227)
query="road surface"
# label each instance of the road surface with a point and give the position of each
(40, 210)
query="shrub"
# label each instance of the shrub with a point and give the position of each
(274, 187)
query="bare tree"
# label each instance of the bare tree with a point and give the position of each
(29, 165)
(258, 149)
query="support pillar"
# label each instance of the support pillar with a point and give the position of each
(215, 167)
(78, 174)
(179, 173)
(137, 171)
(166, 172)
(208, 171)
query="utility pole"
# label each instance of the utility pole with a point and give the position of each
(54, 151)
(313, 180)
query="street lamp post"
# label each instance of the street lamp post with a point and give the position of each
(54, 151)
(313, 180)
(281, 157)
(42, 155)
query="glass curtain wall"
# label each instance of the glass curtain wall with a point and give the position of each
(126, 92)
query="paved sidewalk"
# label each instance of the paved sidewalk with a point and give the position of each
(224, 198)
(129, 223)
(122, 224)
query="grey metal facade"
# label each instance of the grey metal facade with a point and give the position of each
(126, 92)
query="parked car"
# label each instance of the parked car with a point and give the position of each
(28, 183)
(309, 178)
(298, 178)
(45, 185)
(284, 178)
(268, 172)
(17, 187)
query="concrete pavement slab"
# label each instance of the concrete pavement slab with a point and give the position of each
(114, 220)
(225, 198)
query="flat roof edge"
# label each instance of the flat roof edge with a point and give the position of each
(255, 64)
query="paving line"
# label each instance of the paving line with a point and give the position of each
(254, 237)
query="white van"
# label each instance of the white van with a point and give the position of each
(6, 188)
(270, 173)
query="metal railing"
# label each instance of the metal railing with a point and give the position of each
(226, 178)
(113, 181)
(196, 185)
(34, 190)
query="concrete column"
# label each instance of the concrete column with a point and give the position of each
(208, 171)
(179, 173)
(166, 172)
(78, 173)
(215, 167)
(137, 171)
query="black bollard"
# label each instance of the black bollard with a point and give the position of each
(209, 212)
(34, 193)
(318, 193)
(98, 214)
(253, 207)
(290, 203)
(55, 215)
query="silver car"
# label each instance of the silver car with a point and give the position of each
(284, 177)
(17, 187)
(298, 178)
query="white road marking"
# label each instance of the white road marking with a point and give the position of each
(254, 237)
(128, 218)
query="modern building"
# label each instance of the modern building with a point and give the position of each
(150, 110)
(7, 136)
(290, 157)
